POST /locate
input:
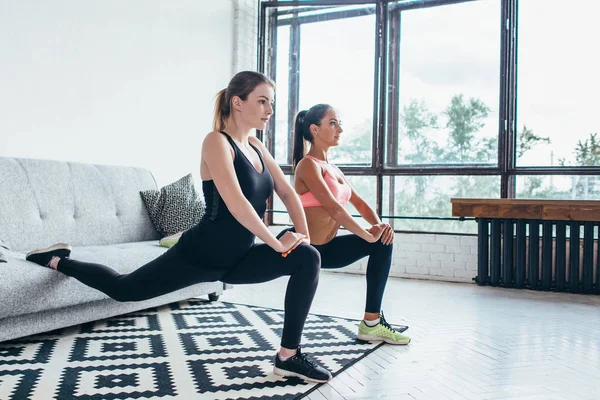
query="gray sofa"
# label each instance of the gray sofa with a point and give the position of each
(99, 211)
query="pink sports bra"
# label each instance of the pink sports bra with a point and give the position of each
(341, 191)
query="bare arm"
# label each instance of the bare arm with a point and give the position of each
(364, 209)
(284, 190)
(310, 174)
(371, 216)
(218, 158)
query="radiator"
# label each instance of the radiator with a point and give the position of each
(536, 254)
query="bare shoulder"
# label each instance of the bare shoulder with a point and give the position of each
(215, 143)
(213, 138)
(307, 167)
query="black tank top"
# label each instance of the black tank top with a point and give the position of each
(219, 240)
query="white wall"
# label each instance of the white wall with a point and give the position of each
(112, 81)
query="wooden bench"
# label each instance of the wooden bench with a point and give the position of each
(509, 243)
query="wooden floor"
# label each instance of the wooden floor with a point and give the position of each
(468, 342)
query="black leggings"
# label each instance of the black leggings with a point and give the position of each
(171, 272)
(343, 250)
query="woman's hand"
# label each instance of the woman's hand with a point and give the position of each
(387, 237)
(289, 241)
(376, 231)
(384, 231)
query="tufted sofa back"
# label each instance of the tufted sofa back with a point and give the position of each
(43, 202)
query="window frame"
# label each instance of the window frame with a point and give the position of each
(385, 107)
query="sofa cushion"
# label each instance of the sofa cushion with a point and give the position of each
(175, 207)
(27, 287)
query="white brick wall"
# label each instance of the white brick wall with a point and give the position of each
(245, 35)
(426, 256)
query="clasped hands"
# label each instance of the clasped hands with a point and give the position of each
(383, 231)
(290, 240)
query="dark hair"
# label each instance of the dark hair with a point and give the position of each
(241, 85)
(302, 134)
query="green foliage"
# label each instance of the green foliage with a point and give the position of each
(527, 140)
(463, 120)
(458, 126)
(587, 153)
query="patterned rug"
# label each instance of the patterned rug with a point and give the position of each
(191, 349)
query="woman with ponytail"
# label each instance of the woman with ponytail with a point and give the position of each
(324, 191)
(238, 176)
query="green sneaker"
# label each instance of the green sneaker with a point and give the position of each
(170, 241)
(381, 331)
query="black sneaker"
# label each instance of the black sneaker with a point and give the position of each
(43, 256)
(298, 365)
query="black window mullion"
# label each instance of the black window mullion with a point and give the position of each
(503, 115)
(511, 134)
(392, 93)
(262, 11)
(269, 137)
(331, 16)
(392, 90)
(512, 115)
(316, 3)
(294, 85)
(379, 99)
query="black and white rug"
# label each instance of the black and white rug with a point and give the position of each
(188, 350)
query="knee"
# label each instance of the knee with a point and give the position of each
(384, 248)
(309, 258)
(389, 247)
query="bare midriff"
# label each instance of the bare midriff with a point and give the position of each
(321, 226)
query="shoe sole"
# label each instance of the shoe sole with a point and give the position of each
(57, 246)
(372, 339)
(282, 372)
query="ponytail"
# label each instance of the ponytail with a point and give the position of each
(302, 134)
(299, 142)
(221, 111)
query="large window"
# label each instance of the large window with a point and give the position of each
(558, 84)
(446, 72)
(442, 99)
(312, 48)
(328, 48)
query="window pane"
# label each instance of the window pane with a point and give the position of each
(282, 128)
(429, 196)
(279, 217)
(448, 84)
(337, 67)
(558, 187)
(558, 84)
(328, 37)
